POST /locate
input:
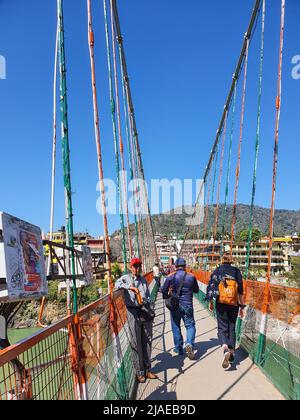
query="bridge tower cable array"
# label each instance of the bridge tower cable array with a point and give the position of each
(230, 99)
(114, 126)
(149, 231)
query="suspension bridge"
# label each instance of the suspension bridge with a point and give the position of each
(87, 355)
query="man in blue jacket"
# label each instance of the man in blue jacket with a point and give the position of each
(185, 310)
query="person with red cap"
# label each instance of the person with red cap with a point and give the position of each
(138, 298)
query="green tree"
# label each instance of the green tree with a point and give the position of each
(116, 271)
(244, 235)
(294, 275)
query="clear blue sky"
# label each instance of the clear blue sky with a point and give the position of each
(181, 57)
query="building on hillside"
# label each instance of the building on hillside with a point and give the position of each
(166, 250)
(210, 256)
(97, 247)
(61, 235)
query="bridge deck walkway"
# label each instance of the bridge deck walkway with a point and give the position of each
(203, 378)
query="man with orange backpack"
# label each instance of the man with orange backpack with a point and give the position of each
(226, 287)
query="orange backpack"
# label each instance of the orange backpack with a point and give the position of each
(228, 291)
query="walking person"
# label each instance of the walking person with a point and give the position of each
(184, 285)
(140, 318)
(156, 275)
(226, 287)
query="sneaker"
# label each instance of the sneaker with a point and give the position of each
(231, 358)
(177, 353)
(141, 379)
(190, 351)
(151, 375)
(226, 358)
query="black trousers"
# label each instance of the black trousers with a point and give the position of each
(227, 317)
(141, 342)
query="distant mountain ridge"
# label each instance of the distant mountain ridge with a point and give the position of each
(287, 222)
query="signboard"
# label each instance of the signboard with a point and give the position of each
(22, 266)
(87, 264)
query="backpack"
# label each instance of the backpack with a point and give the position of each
(172, 302)
(228, 291)
(224, 289)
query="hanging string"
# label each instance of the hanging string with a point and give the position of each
(219, 184)
(128, 141)
(257, 141)
(91, 42)
(238, 167)
(275, 162)
(207, 209)
(229, 166)
(66, 155)
(211, 206)
(133, 125)
(113, 116)
(120, 130)
(54, 139)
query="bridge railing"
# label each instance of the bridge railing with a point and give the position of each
(270, 331)
(39, 367)
(57, 363)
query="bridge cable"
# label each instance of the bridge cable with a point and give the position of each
(211, 206)
(238, 167)
(121, 147)
(275, 160)
(128, 141)
(113, 117)
(53, 172)
(91, 43)
(219, 184)
(66, 154)
(224, 217)
(257, 141)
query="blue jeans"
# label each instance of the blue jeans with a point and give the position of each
(187, 314)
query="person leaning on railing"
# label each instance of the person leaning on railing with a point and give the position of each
(140, 318)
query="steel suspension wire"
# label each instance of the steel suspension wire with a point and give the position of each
(257, 140)
(113, 116)
(121, 147)
(53, 172)
(128, 141)
(66, 151)
(238, 167)
(219, 183)
(229, 165)
(54, 138)
(229, 99)
(211, 206)
(91, 43)
(206, 215)
(132, 119)
(275, 160)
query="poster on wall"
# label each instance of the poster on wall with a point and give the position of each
(22, 265)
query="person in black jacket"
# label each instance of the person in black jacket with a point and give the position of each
(185, 310)
(226, 314)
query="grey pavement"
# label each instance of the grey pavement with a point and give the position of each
(202, 378)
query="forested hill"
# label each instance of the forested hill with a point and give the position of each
(287, 222)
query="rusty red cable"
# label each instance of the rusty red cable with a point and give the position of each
(98, 142)
(120, 129)
(219, 183)
(238, 167)
(275, 160)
